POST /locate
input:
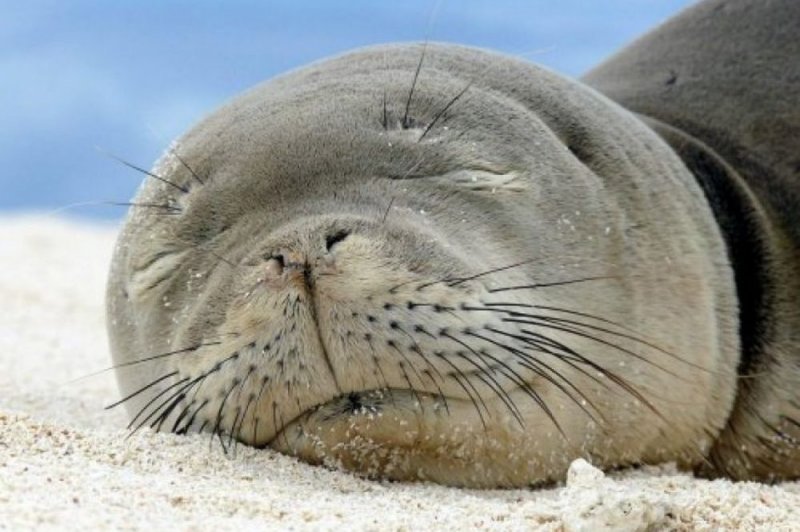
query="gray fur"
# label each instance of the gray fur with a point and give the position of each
(721, 82)
(525, 171)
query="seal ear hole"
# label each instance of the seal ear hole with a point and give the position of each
(335, 238)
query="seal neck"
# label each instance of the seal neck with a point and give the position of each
(745, 229)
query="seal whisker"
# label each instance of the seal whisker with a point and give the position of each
(264, 382)
(153, 400)
(140, 390)
(232, 432)
(616, 379)
(385, 120)
(533, 395)
(250, 400)
(502, 395)
(576, 332)
(558, 309)
(386, 212)
(456, 282)
(182, 415)
(161, 355)
(159, 420)
(585, 325)
(405, 123)
(438, 115)
(485, 375)
(537, 342)
(220, 415)
(219, 433)
(457, 376)
(368, 339)
(547, 372)
(185, 165)
(483, 369)
(165, 408)
(218, 256)
(554, 283)
(191, 419)
(411, 388)
(415, 348)
(192, 382)
(165, 206)
(143, 171)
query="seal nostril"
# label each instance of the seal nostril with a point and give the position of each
(335, 238)
(278, 258)
(276, 263)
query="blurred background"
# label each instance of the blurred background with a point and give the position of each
(128, 77)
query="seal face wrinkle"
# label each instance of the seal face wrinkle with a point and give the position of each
(433, 262)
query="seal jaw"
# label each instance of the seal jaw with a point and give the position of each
(401, 435)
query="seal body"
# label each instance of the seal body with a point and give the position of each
(721, 83)
(429, 262)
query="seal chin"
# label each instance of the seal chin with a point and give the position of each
(398, 435)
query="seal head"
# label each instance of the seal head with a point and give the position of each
(427, 262)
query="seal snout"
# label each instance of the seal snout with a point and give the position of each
(288, 266)
(294, 265)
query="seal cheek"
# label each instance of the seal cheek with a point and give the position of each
(154, 273)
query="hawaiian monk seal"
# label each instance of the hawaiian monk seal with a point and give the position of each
(435, 262)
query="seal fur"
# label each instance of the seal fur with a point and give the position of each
(429, 262)
(720, 83)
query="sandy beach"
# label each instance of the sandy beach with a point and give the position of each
(66, 463)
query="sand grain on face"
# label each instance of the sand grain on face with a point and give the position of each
(65, 462)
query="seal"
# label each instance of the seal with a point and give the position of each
(433, 262)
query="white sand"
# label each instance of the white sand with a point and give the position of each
(65, 462)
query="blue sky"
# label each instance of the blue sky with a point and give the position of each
(129, 76)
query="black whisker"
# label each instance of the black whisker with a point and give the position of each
(576, 332)
(194, 174)
(443, 111)
(251, 398)
(185, 388)
(547, 372)
(145, 172)
(217, 424)
(535, 396)
(405, 122)
(140, 390)
(584, 325)
(495, 385)
(190, 422)
(163, 410)
(455, 377)
(456, 282)
(559, 309)
(153, 400)
(545, 285)
(616, 379)
(156, 357)
(385, 121)
(181, 415)
(172, 209)
(386, 212)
